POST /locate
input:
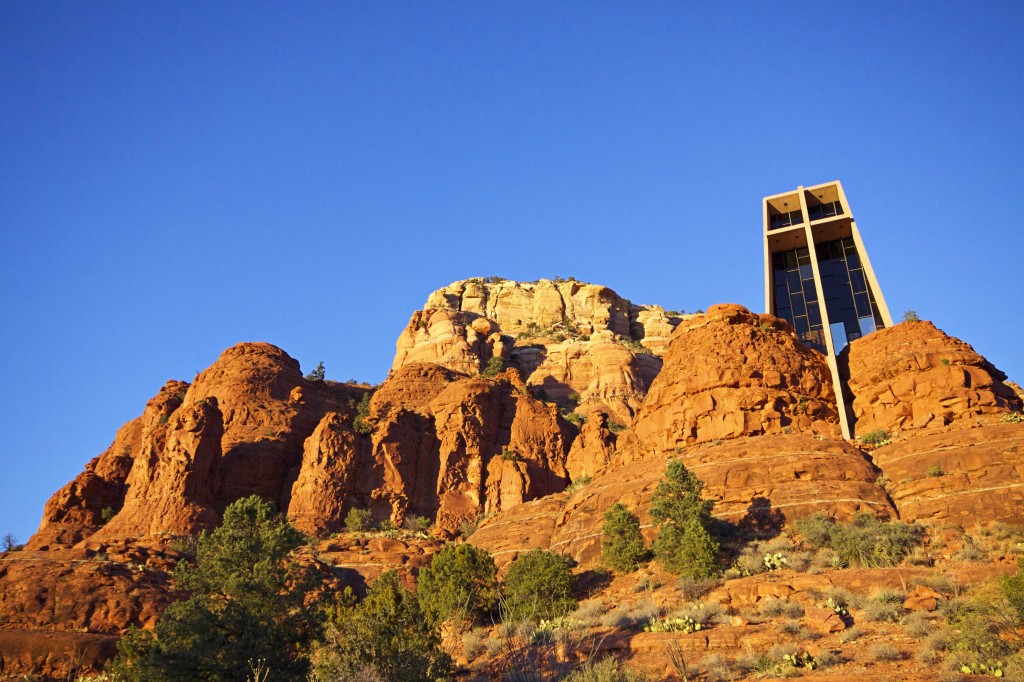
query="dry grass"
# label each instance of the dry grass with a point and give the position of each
(918, 624)
(776, 608)
(589, 612)
(884, 652)
(886, 605)
(631, 615)
(702, 612)
(852, 634)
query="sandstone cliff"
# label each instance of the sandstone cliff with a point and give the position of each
(565, 338)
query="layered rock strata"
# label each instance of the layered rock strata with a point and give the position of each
(957, 476)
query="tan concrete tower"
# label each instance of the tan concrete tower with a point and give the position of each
(817, 275)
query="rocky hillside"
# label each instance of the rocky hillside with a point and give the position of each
(515, 414)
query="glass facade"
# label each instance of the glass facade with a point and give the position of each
(795, 297)
(778, 220)
(851, 307)
(824, 210)
(848, 298)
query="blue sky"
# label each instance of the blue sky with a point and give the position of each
(179, 177)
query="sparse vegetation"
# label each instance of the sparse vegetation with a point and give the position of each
(884, 651)
(606, 670)
(495, 366)
(877, 438)
(574, 418)
(318, 373)
(622, 544)
(360, 423)
(863, 541)
(910, 315)
(417, 524)
(1013, 417)
(579, 483)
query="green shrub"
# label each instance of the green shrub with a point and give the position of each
(495, 366)
(878, 438)
(358, 520)
(685, 545)
(538, 585)
(911, 316)
(864, 541)
(1013, 417)
(361, 424)
(1012, 589)
(107, 513)
(247, 602)
(460, 582)
(574, 418)
(385, 637)
(622, 544)
(579, 483)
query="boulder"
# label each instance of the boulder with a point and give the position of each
(913, 376)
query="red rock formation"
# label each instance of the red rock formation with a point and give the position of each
(957, 476)
(62, 611)
(731, 373)
(914, 376)
(331, 460)
(76, 510)
(174, 490)
(592, 451)
(237, 430)
(570, 337)
(478, 421)
(608, 377)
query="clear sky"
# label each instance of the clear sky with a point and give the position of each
(176, 177)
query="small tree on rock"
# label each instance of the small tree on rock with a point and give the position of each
(495, 366)
(622, 544)
(685, 544)
(317, 374)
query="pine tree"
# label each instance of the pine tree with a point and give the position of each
(622, 544)
(685, 544)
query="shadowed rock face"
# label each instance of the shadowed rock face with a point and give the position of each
(913, 376)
